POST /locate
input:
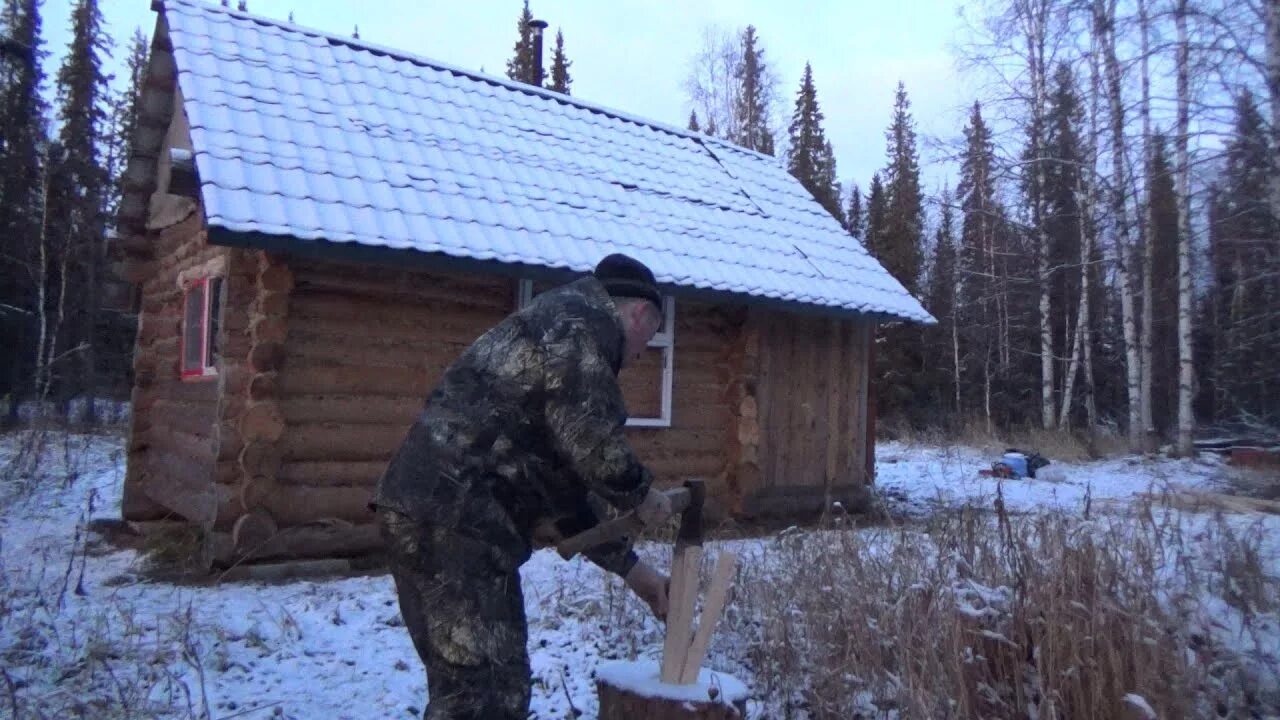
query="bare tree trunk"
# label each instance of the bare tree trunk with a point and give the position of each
(1104, 27)
(42, 282)
(1036, 30)
(986, 390)
(1186, 374)
(955, 353)
(89, 336)
(1273, 88)
(1082, 315)
(1147, 238)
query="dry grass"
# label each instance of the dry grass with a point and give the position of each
(1064, 445)
(1038, 616)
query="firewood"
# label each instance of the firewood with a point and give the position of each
(717, 593)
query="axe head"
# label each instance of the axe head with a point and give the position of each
(691, 519)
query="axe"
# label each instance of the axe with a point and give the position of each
(626, 524)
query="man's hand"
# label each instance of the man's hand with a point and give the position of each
(651, 586)
(655, 509)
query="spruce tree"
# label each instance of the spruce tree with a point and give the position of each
(560, 79)
(853, 215)
(523, 65)
(942, 340)
(693, 121)
(1246, 260)
(750, 99)
(124, 116)
(981, 262)
(22, 134)
(900, 247)
(78, 190)
(809, 157)
(1062, 159)
(877, 208)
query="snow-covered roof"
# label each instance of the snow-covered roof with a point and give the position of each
(302, 135)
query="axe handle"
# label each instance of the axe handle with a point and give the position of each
(621, 526)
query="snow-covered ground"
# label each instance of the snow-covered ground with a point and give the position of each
(919, 479)
(84, 630)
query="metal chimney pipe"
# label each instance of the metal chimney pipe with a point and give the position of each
(538, 26)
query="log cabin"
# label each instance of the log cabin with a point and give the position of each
(318, 226)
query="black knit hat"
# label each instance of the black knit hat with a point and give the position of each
(625, 276)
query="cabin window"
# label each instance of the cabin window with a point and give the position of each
(199, 339)
(646, 385)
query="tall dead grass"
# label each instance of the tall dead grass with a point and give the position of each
(1057, 444)
(1042, 616)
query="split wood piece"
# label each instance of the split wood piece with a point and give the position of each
(682, 600)
(633, 691)
(717, 593)
(686, 561)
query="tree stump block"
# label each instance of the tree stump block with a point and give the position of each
(634, 691)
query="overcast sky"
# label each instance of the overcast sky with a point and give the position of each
(634, 55)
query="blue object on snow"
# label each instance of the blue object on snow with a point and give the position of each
(1016, 462)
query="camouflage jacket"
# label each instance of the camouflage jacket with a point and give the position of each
(522, 430)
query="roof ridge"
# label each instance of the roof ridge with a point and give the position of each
(477, 76)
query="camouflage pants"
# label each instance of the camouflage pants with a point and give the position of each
(462, 604)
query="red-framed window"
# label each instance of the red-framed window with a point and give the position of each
(198, 342)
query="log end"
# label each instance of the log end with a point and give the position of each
(634, 691)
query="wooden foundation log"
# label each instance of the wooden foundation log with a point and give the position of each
(632, 691)
(317, 540)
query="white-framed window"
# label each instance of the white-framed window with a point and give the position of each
(652, 405)
(198, 341)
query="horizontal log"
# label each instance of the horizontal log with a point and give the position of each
(264, 386)
(274, 304)
(261, 422)
(268, 328)
(331, 441)
(349, 307)
(409, 327)
(297, 505)
(260, 459)
(181, 485)
(707, 465)
(194, 448)
(276, 278)
(307, 541)
(419, 352)
(196, 418)
(351, 409)
(652, 442)
(266, 356)
(187, 230)
(301, 378)
(411, 286)
(252, 531)
(318, 473)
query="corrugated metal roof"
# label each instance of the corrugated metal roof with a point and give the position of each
(305, 135)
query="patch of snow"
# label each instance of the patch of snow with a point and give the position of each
(643, 677)
(1139, 702)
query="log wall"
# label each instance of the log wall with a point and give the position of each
(768, 407)
(171, 437)
(366, 344)
(811, 409)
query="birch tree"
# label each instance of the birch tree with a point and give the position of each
(1186, 368)
(1104, 28)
